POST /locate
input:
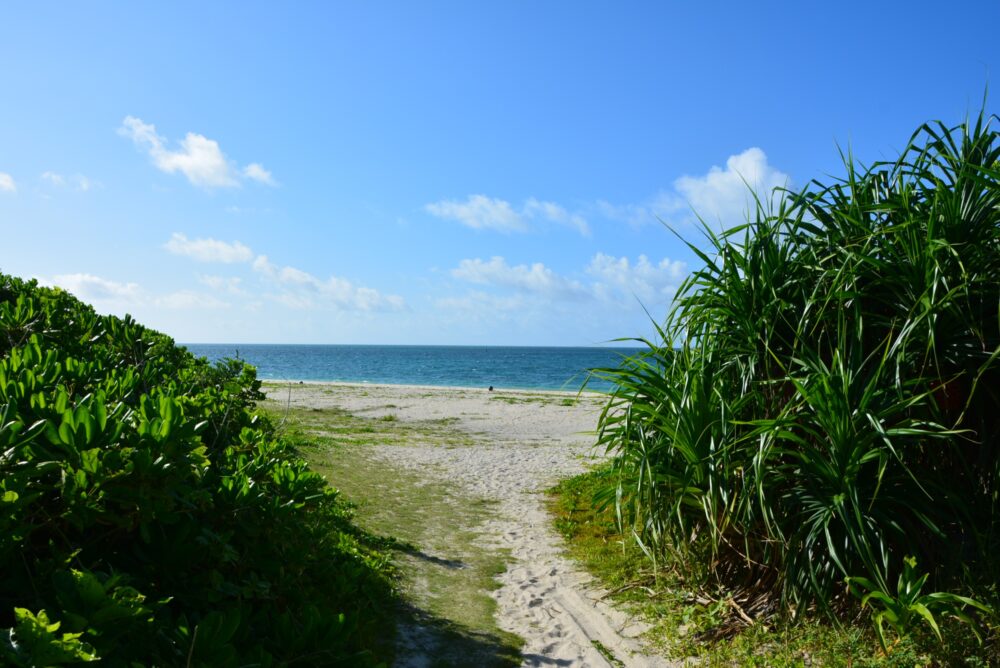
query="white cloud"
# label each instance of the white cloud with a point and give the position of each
(115, 296)
(256, 172)
(612, 280)
(557, 214)
(94, 288)
(297, 277)
(606, 298)
(7, 183)
(721, 197)
(480, 212)
(477, 304)
(199, 158)
(248, 210)
(302, 290)
(77, 181)
(535, 278)
(53, 178)
(229, 284)
(208, 250)
(663, 206)
(618, 278)
(188, 300)
(264, 266)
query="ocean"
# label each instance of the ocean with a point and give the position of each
(535, 368)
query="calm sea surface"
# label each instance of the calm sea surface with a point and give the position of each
(465, 366)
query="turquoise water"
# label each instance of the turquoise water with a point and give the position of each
(453, 366)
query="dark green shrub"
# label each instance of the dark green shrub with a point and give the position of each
(148, 516)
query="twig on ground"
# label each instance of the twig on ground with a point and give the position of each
(626, 587)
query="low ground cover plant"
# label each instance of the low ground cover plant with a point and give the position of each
(822, 405)
(149, 517)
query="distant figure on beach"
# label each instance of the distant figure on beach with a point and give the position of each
(490, 388)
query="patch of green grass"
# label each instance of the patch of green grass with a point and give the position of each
(366, 430)
(443, 422)
(515, 399)
(541, 399)
(446, 572)
(685, 617)
(607, 654)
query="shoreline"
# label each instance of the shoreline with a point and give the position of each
(408, 386)
(527, 368)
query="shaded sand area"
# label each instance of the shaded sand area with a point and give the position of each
(457, 476)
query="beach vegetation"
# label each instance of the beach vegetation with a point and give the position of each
(447, 566)
(360, 428)
(150, 516)
(814, 432)
(688, 615)
(550, 399)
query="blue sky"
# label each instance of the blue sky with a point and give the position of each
(436, 172)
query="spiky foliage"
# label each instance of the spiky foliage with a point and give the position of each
(824, 397)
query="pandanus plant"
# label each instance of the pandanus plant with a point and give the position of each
(824, 396)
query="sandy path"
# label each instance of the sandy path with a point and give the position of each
(524, 443)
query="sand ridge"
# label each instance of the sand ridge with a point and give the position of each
(524, 441)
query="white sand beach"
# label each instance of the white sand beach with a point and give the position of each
(522, 443)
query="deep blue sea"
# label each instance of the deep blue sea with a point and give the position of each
(453, 366)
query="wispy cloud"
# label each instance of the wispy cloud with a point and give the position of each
(481, 213)
(209, 250)
(198, 158)
(555, 213)
(536, 278)
(7, 184)
(256, 172)
(482, 305)
(89, 287)
(598, 300)
(722, 196)
(302, 290)
(186, 300)
(637, 215)
(486, 213)
(57, 180)
(117, 296)
(616, 280)
(248, 210)
(229, 284)
(78, 182)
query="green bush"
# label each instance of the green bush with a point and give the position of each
(149, 517)
(824, 397)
